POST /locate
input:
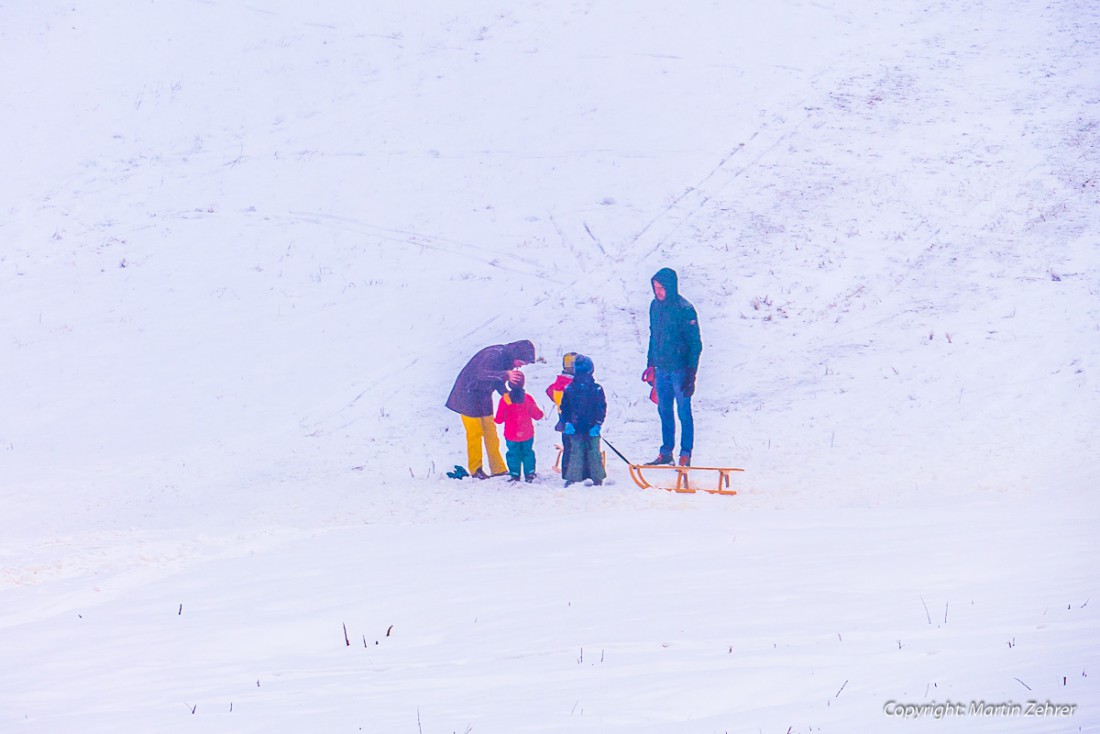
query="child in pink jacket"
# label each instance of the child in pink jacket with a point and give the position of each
(518, 411)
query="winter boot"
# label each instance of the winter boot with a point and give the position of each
(662, 458)
(685, 460)
(530, 477)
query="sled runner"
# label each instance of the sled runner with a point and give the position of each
(687, 479)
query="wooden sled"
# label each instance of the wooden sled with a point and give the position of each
(688, 479)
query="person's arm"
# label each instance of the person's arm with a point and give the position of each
(555, 390)
(693, 341)
(651, 352)
(693, 344)
(488, 374)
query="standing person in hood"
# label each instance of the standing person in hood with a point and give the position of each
(673, 360)
(583, 410)
(472, 398)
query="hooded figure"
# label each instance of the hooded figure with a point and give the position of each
(672, 363)
(583, 410)
(472, 397)
(674, 342)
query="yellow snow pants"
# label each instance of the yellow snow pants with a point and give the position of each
(480, 430)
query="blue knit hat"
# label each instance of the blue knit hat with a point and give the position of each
(582, 365)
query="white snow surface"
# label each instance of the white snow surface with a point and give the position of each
(246, 247)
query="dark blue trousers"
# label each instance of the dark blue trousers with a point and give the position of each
(672, 403)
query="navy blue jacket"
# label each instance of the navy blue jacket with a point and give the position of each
(583, 403)
(674, 341)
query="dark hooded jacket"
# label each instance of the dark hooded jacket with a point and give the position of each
(583, 402)
(484, 374)
(674, 341)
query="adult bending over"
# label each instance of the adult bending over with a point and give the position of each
(472, 398)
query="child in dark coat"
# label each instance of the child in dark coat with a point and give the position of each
(583, 409)
(518, 411)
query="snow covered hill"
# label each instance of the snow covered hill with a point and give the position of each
(245, 249)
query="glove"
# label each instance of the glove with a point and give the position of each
(650, 375)
(594, 431)
(570, 429)
(689, 383)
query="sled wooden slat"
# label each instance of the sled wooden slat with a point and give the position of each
(684, 483)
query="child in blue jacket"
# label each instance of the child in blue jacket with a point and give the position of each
(583, 410)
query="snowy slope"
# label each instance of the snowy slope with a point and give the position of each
(245, 249)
